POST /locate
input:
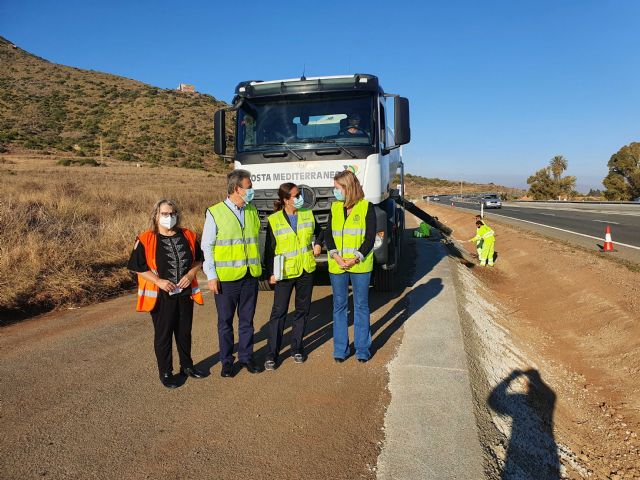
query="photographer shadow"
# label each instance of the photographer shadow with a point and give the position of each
(532, 451)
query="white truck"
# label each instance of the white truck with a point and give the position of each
(305, 130)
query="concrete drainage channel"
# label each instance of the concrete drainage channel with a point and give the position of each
(430, 428)
(466, 403)
(513, 406)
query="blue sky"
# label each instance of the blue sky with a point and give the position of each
(496, 88)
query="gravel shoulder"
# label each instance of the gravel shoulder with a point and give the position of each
(80, 399)
(571, 316)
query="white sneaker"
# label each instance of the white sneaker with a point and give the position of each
(269, 365)
(298, 358)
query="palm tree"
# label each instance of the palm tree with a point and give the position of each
(558, 164)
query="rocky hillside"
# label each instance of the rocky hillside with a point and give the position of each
(49, 107)
(417, 186)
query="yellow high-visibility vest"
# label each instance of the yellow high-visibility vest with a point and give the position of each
(294, 246)
(349, 234)
(236, 248)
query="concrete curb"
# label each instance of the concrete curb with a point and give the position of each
(431, 430)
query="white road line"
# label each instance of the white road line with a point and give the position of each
(561, 229)
(567, 231)
(548, 214)
(605, 221)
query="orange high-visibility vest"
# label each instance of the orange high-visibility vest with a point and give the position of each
(147, 290)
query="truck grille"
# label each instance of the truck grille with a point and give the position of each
(318, 199)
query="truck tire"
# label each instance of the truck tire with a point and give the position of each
(264, 286)
(382, 279)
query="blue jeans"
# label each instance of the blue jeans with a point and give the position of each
(361, 326)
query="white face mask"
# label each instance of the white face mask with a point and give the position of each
(168, 222)
(298, 202)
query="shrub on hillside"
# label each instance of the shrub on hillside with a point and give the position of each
(66, 162)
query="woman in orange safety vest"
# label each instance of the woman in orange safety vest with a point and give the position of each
(166, 258)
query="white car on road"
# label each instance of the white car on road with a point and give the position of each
(491, 201)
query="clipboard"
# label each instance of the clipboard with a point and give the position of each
(278, 267)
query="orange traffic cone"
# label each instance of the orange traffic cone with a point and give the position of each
(608, 243)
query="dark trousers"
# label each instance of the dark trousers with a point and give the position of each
(172, 316)
(241, 296)
(304, 288)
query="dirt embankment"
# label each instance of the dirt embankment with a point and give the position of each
(561, 324)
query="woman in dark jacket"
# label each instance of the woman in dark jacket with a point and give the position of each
(350, 237)
(290, 233)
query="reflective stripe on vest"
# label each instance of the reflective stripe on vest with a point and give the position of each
(147, 290)
(294, 246)
(349, 234)
(236, 248)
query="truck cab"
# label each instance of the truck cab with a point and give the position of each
(305, 130)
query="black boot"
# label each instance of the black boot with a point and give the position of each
(168, 380)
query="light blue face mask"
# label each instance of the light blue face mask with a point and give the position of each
(248, 195)
(338, 194)
(298, 202)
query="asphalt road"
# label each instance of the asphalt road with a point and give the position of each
(589, 220)
(80, 397)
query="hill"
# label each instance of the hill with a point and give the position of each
(417, 186)
(49, 107)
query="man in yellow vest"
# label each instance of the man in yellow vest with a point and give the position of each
(480, 241)
(232, 265)
(487, 236)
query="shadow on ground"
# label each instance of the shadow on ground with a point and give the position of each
(319, 328)
(532, 452)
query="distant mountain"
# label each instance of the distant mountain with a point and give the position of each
(51, 107)
(416, 186)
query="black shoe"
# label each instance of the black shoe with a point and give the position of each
(227, 370)
(250, 365)
(339, 360)
(193, 372)
(363, 360)
(168, 380)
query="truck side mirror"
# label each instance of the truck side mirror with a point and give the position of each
(402, 133)
(219, 133)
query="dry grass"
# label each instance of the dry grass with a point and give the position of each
(67, 231)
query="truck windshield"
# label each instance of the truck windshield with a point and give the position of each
(298, 121)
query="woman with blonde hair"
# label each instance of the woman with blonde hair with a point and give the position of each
(166, 258)
(349, 238)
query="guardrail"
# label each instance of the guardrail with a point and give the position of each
(580, 202)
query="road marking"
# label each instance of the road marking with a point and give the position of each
(561, 229)
(568, 231)
(605, 221)
(548, 214)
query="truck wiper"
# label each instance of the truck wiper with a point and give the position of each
(336, 144)
(276, 144)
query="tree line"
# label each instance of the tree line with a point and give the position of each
(622, 183)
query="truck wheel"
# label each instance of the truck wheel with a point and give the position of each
(382, 280)
(264, 286)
